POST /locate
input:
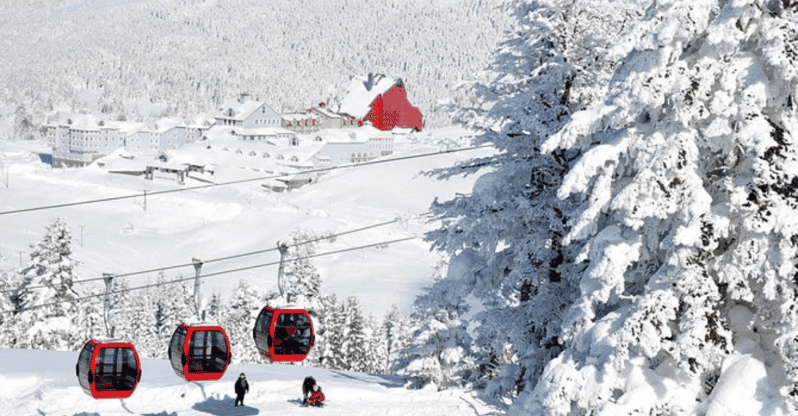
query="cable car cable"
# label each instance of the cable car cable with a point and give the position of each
(235, 182)
(234, 256)
(213, 274)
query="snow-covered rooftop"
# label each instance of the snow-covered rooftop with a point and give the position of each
(361, 134)
(241, 110)
(261, 131)
(325, 112)
(297, 116)
(363, 91)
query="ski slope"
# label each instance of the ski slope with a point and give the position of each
(44, 383)
(133, 234)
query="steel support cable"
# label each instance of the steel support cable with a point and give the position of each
(234, 256)
(219, 273)
(235, 182)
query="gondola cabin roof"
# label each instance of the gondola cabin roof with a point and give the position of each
(201, 324)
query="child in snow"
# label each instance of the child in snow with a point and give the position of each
(242, 387)
(317, 398)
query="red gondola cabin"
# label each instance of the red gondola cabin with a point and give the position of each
(199, 351)
(108, 369)
(283, 334)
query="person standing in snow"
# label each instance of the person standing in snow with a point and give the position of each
(242, 387)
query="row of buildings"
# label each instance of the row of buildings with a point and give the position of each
(376, 100)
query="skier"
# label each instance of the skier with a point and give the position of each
(242, 387)
(308, 387)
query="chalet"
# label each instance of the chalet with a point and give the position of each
(381, 101)
(328, 119)
(246, 112)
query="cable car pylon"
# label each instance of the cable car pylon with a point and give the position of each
(283, 333)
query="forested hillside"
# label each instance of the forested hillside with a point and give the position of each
(186, 57)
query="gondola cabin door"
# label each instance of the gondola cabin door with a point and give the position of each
(199, 352)
(283, 334)
(108, 369)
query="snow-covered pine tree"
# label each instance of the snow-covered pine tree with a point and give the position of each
(7, 338)
(88, 320)
(172, 306)
(396, 328)
(505, 239)
(143, 327)
(302, 278)
(119, 308)
(329, 334)
(688, 175)
(376, 361)
(47, 324)
(213, 309)
(238, 318)
(354, 347)
(439, 352)
(675, 208)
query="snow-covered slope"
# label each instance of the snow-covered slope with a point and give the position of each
(44, 383)
(121, 236)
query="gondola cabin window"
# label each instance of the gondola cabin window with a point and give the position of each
(176, 355)
(116, 369)
(208, 353)
(262, 328)
(84, 365)
(199, 351)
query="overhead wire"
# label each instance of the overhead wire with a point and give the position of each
(238, 181)
(213, 274)
(230, 257)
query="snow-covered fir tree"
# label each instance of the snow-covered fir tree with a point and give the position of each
(396, 328)
(87, 322)
(119, 307)
(354, 347)
(330, 333)
(173, 304)
(377, 341)
(142, 327)
(237, 317)
(634, 244)
(213, 308)
(7, 318)
(44, 298)
(303, 280)
(439, 351)
(505, 238)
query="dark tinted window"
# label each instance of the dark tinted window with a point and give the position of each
(115, 369)
(208, 352)
(84, 364)
(176, 348)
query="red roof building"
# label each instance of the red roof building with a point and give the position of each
(381, 101)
